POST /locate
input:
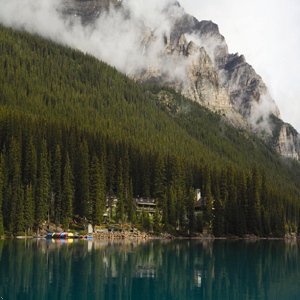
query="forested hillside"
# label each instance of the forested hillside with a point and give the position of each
(73, 130)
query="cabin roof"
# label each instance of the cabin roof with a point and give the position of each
(145, 201)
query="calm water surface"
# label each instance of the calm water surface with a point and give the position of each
(157, 270)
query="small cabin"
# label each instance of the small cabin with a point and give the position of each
(145, 204)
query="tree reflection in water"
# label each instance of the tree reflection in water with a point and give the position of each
(40, 269)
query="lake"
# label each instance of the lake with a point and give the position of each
(160, 270)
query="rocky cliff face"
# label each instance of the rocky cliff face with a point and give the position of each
(193, 59)
(224, 81)
(288, 142)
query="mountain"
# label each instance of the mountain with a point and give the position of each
(74, 130)
(193, 59)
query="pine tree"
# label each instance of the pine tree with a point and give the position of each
(146, 178)
(191, 210)
(157, 221)
(20, 220)
(146, 221)
(209, 205)
(14, 182)
(30, 164)
(130, 204)
(254, 207)
(97, 190)
(83, 194)
(180, 196)
(265, 214)
(231, 210)
(43, 186)
(120, 194)
(165, 211)
(111, 173)
(1, 194)
(208, 213)
(67, 193)
(56, 185)
(218, 222)
(171, 206)
(28, 209)
(159, 180)
(128, 188)
(242, 203)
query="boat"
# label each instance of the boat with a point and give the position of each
(67, 235)
(60, 235)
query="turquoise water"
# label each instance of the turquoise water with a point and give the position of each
(158, 270)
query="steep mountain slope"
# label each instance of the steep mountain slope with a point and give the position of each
(193, 59)
(74, 130)
(63, 112)
(100, 97)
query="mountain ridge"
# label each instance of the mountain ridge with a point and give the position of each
(221, 81)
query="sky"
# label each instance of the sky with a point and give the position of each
(267, 32)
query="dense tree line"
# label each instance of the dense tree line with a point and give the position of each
(51, 173)
(74, 131)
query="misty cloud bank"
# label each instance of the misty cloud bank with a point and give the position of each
(113, 38)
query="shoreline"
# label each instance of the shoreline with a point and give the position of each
(128, 236)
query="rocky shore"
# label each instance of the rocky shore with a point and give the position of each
(121, 235)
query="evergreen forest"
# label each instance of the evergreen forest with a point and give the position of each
(74, 132)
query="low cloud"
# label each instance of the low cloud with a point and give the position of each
(113, 38)
(260, 114)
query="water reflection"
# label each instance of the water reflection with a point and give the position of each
(41, 269)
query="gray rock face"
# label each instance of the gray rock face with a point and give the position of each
(229, 74)
(248, 93)
(210, 75)
(288, 142)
